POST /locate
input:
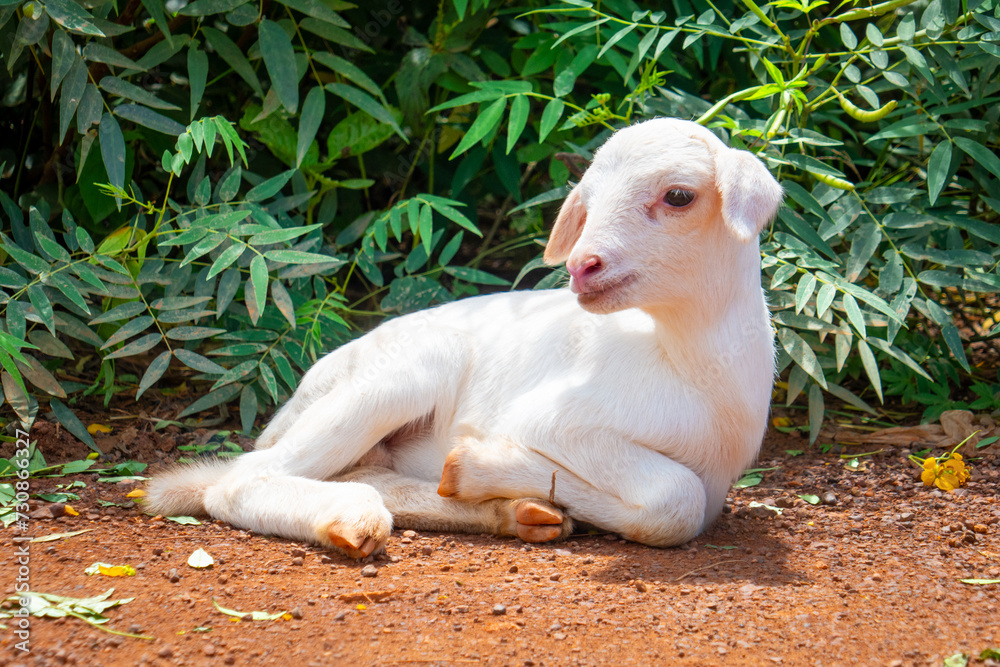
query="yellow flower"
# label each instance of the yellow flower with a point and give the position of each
(947, 474)
(930, 471)
(956, 466)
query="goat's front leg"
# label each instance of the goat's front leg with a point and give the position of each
(601, 479)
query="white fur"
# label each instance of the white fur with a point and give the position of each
(647, 391)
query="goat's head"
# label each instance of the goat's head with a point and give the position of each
(665, 214)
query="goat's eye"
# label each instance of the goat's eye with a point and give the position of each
(678, 198)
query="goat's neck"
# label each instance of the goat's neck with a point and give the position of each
(714, 331)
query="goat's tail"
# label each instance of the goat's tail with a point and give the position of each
(181, 490)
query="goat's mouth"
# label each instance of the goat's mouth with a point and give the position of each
(597, 293)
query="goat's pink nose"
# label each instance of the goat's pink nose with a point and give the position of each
(584, 269)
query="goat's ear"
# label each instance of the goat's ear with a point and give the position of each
(568, 227)
(750, 195)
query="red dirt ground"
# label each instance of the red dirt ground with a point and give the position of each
(870, 579)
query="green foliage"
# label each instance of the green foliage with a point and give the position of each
(231, 190)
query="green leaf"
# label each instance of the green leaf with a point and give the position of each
(366, 103)
(205, 245)
(425, 228)
(800, 352)
(154, 372)
(43, 307)
(317, 10)
(804, 291)
(270, 187)
(864, 245)
(550, 118)
(155, 9)
(484, 124)
(228, 51)
(72, 423)
(309, 121)
(178, 302)
(518, 120)
(129, 329)
(197, 362)
(51, 248)
(566, 79)
(121, 312)
(334, 34)
(279, 58)
(355, 135)
(138, 346)
(63, 57)
(349, 71)
(981, 154)
(197, 65)
(280, 235)
(236, 373)
(282, 300)
(248, 408)
(621, 34)
(211, 400)
(300, 257)
(854, 315)
(71, 16)
(817, 409)
(471, 275)
(579, 29)
(258, 280)
(209, 7)
(871, 367)
(73, 89)
(469, 98)
(102, 54)
(130, 91)
(445, 208)
(949, 331)
(149, 118)
(226, 259)
(113, 152)
(193, 332)
(184, 520)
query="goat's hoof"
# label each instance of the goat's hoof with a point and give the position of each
(354, 543)
(448, 487)
(539, 521)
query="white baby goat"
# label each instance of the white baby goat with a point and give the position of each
(645, 385)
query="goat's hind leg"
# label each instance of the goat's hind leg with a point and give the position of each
(280, 490)
(416, 504)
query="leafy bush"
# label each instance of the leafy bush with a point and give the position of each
(384, 140)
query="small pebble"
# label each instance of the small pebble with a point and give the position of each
(296, 613)
(641, 586)
(208, 649)
(297, 561)
(298, 553)
(829, 498)
(369, 571)
(499, 610)
(409, 533)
